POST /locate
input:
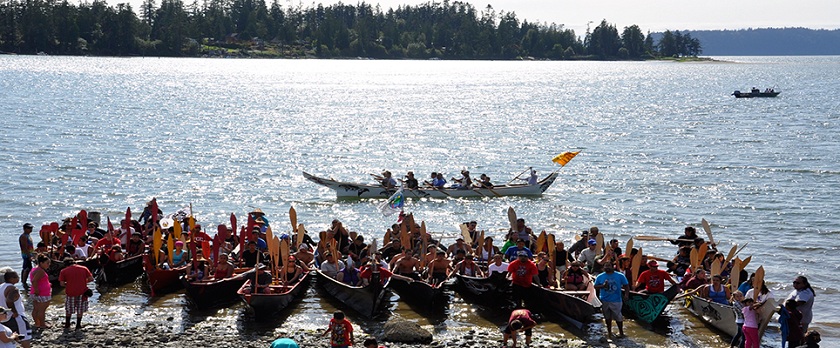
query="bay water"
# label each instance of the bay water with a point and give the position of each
(663, 144)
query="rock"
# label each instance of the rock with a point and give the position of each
(406, 332)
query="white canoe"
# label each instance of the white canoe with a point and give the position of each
(722, 317)
(354, 190)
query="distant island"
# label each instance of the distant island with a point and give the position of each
(768, 42)
(251, 28)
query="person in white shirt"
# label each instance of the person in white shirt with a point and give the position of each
(498, 265)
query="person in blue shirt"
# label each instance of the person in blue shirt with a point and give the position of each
(510, 253)
(611, 284)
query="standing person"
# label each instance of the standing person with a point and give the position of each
(795, 334)
(520, 319)
(737, 302)
(750, 328)
(17, 319)
(74, 278)
(40, 292)
(523, 232)
(341, 331)
(284, 342)
(7, 337)
(654, 279)
(611, 284)
(804, 295)
(523, 273)
(27, 251)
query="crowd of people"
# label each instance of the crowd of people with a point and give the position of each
(408, 253)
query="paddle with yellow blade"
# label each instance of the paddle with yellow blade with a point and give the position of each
(708, 230)
(542, 239)
(629, 246)
(284, 255)
(746, 262)
(293, 221)
(652, 238)
(412, 228)
(405, 237)
(758, 281)
(695, 260)
(716, 265)
(157, 242)
(735, 276)
(599, 243)
(634, 267)
(552, 262)
(701, 254)
(731, 254)
(387, 238)
(170, 245)
(177, 230)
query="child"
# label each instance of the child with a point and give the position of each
(794, 322)
(342, 331)
(737, 297)
(750, 323)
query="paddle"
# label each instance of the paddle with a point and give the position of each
(708, 230)
(742, 248)
(424, 237)
(599, 243)
(177, 229)
(746, 262)
(126, 223)
(731, 254)
(716, 265)
(512, 219)
(757, 282)
(293, 218)
(157, 242)
(412, 228)
(284, 253)
(541, 240)
(517, 177)
(735, 275)
(170, 245)
(45, 234)
(233, 224)
(701, 254)
(218, 240)
(552, 262)
(465, 232)
(634, 266)
(405, 238)
(695, 261)
(387, 238)
(629, 246)
(272, 253)
(83, 219)
(652, 238)
(301, 232)
(53, 231)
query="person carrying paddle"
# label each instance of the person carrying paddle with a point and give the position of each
(484, 182)
(387, 181)
(464, 182)
(611, 284)
(439, 269)
(374, 270)
(459, 245)
(688, 238)
(410, 181)
(522, 232)
(340, 330)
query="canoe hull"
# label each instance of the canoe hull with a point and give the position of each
(121, 272)
(722, 317)
(368, 300)
(646, 307)
(571, 306)
(204, 295)
(354, 190)
(419, 292)
(268, 304)
(160, 281)
(492, 290)
(92, 264)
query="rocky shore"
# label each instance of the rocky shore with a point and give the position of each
(158, 335)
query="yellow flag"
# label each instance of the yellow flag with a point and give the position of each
(564, 158)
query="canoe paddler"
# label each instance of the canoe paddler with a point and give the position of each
(387, 181)
(410, 181)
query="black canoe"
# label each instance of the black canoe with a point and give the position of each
(280, 297)
(214, 293)
(120, 272)
(91, 263)
(419, 292)
(646, 307)
(495, 289)
(368, 300)
(576, 307)
(756, 94)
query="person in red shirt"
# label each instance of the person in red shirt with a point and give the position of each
(653, 279)
(74, 278)
(341, 331)
(520, 319)
(522, 272)
(104, 245)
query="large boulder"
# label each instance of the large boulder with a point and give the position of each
(403, 331)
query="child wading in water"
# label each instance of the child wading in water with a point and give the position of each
(342, 331)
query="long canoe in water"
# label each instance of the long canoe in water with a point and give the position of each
(367, 300)
(216, 292)
(576, 307)
(722, 317)
(279, 297)
(355, 190)
(120, 272)
(420, 292)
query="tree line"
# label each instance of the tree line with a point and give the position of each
(446, 30)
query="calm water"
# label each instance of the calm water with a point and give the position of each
(662, 146)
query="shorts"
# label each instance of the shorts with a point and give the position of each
(27, 263)
(75, 304)
(612, 311)
(15, 324)
(41, 299)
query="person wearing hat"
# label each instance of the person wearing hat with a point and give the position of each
(522, 272)
(588, 255)
(387, 180)
(27, 251)
(410, 181)
(512, 252)
(331, 265)
(653, 280)
(8, 337)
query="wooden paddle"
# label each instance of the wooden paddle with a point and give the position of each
(424, 237)
(293, 219)
(634, 266)
(629, 246)
(716, 267)
(412, 229)
(517, 177)
(45, 234)
(708, 230)
(701, 254)
(695, 260)
(757, 282)
(541, 240)
(465, 232)
(405, 237)
(301, 232)
(731, 254)
(512, 218)
(218, 240)
(652, 238)
(284, 254)
(551, 258)
(233, 224)
(177, 229)
(735, 275)
(126, 223)
(742, 248)
(599, 244)
(157, 242)
(170, 245)
(387, 238)
(746, 262)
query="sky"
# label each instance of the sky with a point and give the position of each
(649, 15)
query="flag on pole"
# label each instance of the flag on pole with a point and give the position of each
(394, 204)
(564, 158)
